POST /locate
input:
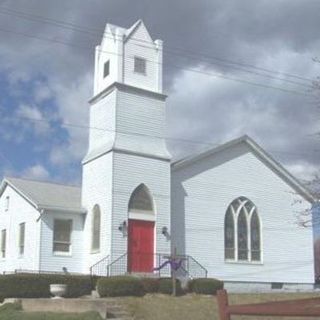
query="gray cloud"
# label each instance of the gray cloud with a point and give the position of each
(277, 35)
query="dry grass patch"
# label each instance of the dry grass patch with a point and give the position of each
(199, 307)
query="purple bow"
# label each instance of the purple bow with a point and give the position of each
(173, 264)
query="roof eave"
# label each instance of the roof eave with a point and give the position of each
(281, 171)
(62, 209)
(6, 182)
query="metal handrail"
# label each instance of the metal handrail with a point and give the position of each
(98, 263)
(200, 265)
(190, 266)
(114, 262)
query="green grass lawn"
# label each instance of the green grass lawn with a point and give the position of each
(197, 307)
(164, 307)
(12, 311)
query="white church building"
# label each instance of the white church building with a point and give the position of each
(230, 211)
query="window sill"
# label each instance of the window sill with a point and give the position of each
(62, 254)
(140, 73)
(95, 251)
(244, 262)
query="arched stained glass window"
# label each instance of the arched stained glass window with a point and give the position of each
(242, 231)
(255, 237)
(141, 200)
(96, 223)
(229, 235)
(242, 236)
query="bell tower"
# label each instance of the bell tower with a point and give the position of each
(128, 56)
(127, 145)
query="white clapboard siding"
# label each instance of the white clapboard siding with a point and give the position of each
(129, 172)
(20, 211)
(97, 189)
(49, 261)
(201, 193)
(139, 44)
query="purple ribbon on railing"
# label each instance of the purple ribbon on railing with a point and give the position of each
(174, 265)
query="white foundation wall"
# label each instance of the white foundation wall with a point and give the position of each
(19, 211)
(201, 193)
(129, 172)
(97, 189)
(266, 287)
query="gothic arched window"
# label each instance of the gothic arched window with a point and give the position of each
(242, 229)
(242, 236)
(255, 237)
(96, 224)
(141, 200)
(229, 235)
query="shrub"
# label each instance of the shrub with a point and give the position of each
(38, 285)
(150, 285)
(205, 286)
(165, 286)
(120, 286)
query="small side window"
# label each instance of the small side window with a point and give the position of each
(276, 285)
(96, 222)
(7, 203)
(106, 69)
(140, 65)
(22, 228)
(3, 243)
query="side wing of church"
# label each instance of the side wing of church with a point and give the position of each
(229, 213)
(236, 210)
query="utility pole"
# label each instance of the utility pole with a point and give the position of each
(173, 271)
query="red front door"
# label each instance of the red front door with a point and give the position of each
(140, 246)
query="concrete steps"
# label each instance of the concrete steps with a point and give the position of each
(115, 310)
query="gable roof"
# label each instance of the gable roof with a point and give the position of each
(260, 153)
(45, 195)
(127, 33)
(133, 28)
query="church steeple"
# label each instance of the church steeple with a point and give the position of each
(127, 144)
(128, 56)
(127, 110)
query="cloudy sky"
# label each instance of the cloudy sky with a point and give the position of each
(231, 68)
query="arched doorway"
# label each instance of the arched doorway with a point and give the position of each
(141, 231)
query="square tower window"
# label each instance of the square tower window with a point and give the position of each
(106, 69)
(140, 65)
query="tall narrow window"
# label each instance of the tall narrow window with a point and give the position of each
(62, 236)
(229, 235)
(3, 243)
(255, 237)
(106, 68)
(140, 65)
(96, 222)
(242, 237)
(21, 238)
(242, 231)
(7, 203)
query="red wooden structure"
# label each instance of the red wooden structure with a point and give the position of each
(140, 246)
(290, 308)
